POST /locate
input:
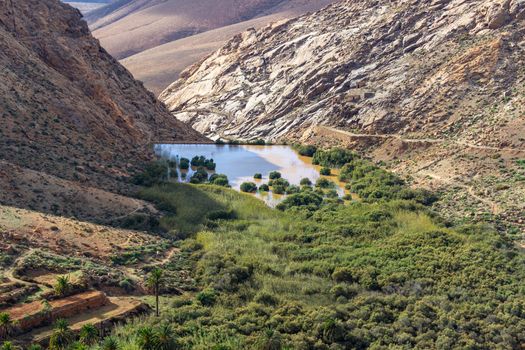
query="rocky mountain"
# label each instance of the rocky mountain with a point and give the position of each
(71, 115)
(160, 66)
(127, 27)
(439, 82)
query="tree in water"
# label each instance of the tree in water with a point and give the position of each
(154, 282)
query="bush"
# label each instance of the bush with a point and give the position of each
(257, 176)
(154, 173)
(248, 187)
(324, 183)
(325, 171)
(199, 177)
(275, 175)
(264, 188)
(335, 157)
(305, 182)
(207, 297)
(184, 163)
(302, 199)
(305, 150)
(219, 180)
(343, 274)
(278, 189)
(293, 189)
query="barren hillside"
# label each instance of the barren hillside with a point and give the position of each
(128, 27)
(438, 83)
(68, 108)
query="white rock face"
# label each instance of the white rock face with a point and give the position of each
(388, 66)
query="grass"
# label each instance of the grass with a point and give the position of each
(364, 275)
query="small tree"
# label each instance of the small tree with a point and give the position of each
(6, 324)
(154, 282)
(62, 286)
(110, 343)
(249, 187)
(275, 175)
(8, 346)
(257, 176)
(325, 171)
(88, 334)
(146, 338)
(62, 336)
(165, 338)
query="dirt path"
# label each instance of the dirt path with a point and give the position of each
(140, 206)
(494, 208)
(10, 273)
(422, 140)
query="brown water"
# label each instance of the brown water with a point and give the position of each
(241, 162)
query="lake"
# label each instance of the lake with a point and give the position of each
(241, 162)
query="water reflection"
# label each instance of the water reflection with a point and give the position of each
(241, 162)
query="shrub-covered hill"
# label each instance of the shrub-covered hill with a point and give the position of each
(384, 274)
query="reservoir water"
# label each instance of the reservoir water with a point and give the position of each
(241, 162)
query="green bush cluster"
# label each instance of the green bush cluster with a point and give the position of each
(248, 187)
(377, 275)
(373, 183)
(305, 150)
(201, 161)
(275, 175)
(184, 163)
(155, 173)
(325, 171)
(333, 158)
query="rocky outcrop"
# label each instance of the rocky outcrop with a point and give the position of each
(428, 68)
(67, 107)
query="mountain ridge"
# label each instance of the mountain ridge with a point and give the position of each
(441, 69)
(71, 110)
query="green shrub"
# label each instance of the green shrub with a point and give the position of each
(324, 183)
(325, 171)
(305, 182)
(153, 173)
(278, 189)
(207, 297)
(305, 150)
(184, 163)
(275, 175)
(257, 176)
(335, 157)
(264, 188)
(199, 177)
(302, 199)
(248, 187)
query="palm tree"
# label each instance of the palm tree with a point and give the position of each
(165, 338)
(8, 346)
(154, 282)
(110, 343)
(62, 285)
(146, 338)
(88, 334)
(34, 347)
(6, 324)
(62, 336)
